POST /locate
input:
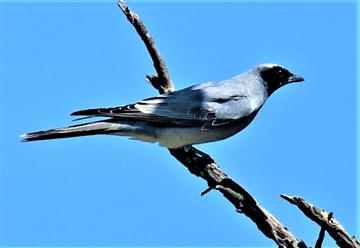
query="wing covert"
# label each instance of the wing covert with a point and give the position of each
(201, 105)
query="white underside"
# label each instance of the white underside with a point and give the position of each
(176, 137)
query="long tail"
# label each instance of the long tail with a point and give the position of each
(92, 128)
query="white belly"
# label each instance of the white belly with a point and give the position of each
(178, 137)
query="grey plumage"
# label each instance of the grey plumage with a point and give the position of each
(197, 114)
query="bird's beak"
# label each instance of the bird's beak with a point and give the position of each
(295, 78)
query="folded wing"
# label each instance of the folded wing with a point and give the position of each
(193, 106)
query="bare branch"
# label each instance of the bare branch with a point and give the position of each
(321, 237)
(162, 81)
(202, 165)
(321, 217)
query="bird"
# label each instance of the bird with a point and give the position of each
(197, 114)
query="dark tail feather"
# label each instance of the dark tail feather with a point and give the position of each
(72, 131)
(93, 112)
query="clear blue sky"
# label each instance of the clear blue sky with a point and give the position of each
(111, 191)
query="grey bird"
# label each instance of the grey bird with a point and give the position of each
(198, 114)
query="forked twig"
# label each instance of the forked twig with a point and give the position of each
(325, 220)
(162, 81)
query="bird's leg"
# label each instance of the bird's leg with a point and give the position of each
(201, 160)
(197, 151)
(194, 159)
(202, 155)
(187, 148)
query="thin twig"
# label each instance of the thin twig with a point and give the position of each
(321, 237)
(162, 81)
(321, 217)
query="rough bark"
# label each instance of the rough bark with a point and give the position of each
(325, 220)
(321, 237)
(162, 81)
(202, 165)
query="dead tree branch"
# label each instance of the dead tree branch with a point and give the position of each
(162, 81)
(325, 220)
(321, 237)
(201, 164)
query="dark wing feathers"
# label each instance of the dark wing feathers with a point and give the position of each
(131, 112)
(126, 111)
(118, 111)
(110, 112)
(183, 108)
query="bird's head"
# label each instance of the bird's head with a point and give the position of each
(275, 76)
